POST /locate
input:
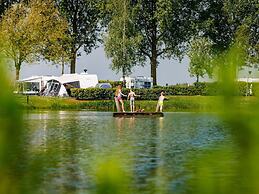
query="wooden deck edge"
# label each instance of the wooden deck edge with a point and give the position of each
(138, 114)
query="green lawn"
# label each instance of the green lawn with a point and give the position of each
(173, 103)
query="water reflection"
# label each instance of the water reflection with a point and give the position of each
(156, 150)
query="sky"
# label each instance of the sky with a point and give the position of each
(168, 72)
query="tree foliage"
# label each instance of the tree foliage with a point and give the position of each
(83, 31)
(243, 17)
(5, 4)
(122, 40)
(27, 30)
(200, 55)
(221, 21)
(162, 26)
(17, 41)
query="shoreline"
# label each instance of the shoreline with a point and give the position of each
(173, 104)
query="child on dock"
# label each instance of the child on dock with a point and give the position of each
(160, 102)
(131, 97)
(118, 98)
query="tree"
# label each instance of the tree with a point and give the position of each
(221, 20)
(200, 55)
(82, 17)
(26, 31)
(212, 22)
(16, 43)
(122, 41)
(243, 18)
(162, 29)
(58, 52)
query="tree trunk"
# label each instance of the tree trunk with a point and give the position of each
(62, 67)
(73, 61)
(123, 77)
(17, 71)
(154, 64)
(197, 78)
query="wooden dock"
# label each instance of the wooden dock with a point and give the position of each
(138, 114)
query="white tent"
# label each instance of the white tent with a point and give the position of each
(56, 87)
(33, 84)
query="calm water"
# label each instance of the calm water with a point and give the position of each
(156, 151)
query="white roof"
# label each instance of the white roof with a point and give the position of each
(85, 80)
(137, 78)
(65, 78)
(37, 78)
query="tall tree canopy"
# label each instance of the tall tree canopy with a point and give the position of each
(244, 16)
(83, 19)
(221, 21)
(200, 55)
(26, 31)
(162, 26)
(122, 40)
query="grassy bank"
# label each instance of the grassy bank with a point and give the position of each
(174, 103)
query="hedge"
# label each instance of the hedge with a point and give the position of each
(203, 89)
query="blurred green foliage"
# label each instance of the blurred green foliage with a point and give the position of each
(19, 172)
(111, 177)
(10, 143)
(243, 174)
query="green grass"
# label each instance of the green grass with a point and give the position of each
(174, 103)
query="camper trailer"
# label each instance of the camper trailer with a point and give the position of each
(33, 85)
(61, 85)
(83, 80)
(56, 86)
(138, 82)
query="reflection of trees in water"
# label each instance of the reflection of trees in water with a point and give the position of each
(183, 140)
(166, 147)
(157, 149)
(62, 148)
(123, 124)
(146, 156)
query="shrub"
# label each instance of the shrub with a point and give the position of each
(145, 94)
(203, 89)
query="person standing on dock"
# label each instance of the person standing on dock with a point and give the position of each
(160, 102)
(131, 97)
(118, 98)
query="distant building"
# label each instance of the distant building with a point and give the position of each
(248, 80)
(138, 82)
(249, 74)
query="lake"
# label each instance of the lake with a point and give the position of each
(156, 152)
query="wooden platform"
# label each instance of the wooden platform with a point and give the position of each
(138, 114)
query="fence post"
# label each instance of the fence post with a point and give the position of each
(27, 99)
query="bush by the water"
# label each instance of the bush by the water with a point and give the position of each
(145, 94)
(203, 89)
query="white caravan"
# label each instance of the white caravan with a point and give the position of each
(82, 80)
(61, 85)
(138, 82)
